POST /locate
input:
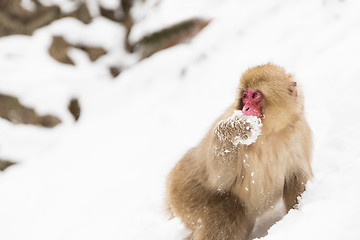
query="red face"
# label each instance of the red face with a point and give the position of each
(252, 102)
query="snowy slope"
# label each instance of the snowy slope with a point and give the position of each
(104, 177)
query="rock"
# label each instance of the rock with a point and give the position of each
(115, 15)
(128, 23)
(115, 71)
(3, 3)
(58, 50)
(12, 110)
(16, 20)
(5, 164)
(170, 36)
(93, 52)
(48, 121)
(74, 108)
(82, 13)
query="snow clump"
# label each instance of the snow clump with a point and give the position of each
(246, 128)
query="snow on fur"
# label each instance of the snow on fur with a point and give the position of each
(246, 129)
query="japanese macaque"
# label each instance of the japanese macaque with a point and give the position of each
(221, 186)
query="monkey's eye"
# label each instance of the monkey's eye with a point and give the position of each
(244, 95)
(256, 95)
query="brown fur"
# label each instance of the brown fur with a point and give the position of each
(219, 194)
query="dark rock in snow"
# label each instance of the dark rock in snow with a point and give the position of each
(58, 50)
(16, 20)
(115, 71)
(93, 52)
(12, 110)
(170, 36)
(74, 108)
(5, 164)
(81, 13)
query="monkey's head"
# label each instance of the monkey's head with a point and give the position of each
(268, 92)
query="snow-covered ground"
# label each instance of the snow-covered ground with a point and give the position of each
(104, 176)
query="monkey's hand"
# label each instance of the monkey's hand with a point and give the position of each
(239, 128)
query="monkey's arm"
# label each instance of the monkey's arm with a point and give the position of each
(223, 146)
(299, 175)
(293, 188)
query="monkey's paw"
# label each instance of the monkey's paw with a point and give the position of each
(239, 128)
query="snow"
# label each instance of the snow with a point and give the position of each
(104, 176)
(28, 5)
(66, 6)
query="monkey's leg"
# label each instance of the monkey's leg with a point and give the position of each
(208, 214)
(213, 216)
(294, 186)
(223, 218)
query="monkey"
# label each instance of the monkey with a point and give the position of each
(218, 189)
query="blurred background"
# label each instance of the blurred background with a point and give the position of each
(100, 98)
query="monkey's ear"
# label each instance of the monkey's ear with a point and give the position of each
(293, 89)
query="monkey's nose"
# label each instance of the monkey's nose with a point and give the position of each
(251, 110)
